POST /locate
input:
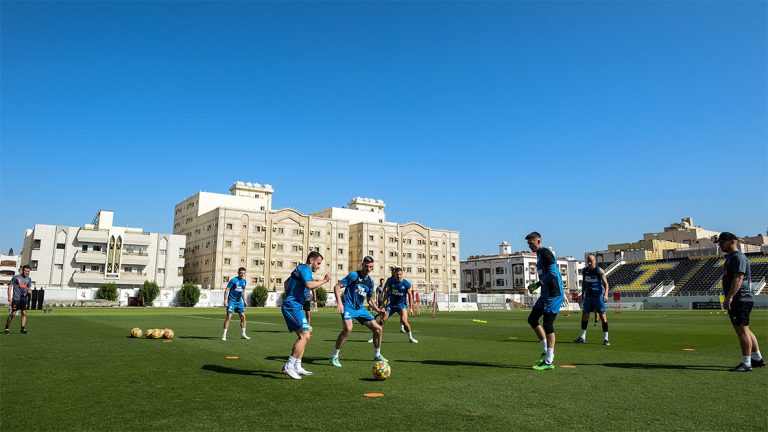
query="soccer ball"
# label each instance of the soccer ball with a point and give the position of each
(168, 333)
(381, 370)
(158, 334)
(136, 332)
(149, 333)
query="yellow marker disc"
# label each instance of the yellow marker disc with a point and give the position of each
(373, 395)
(688, 349)
(232, 357)
(568, 366)
(167, 341)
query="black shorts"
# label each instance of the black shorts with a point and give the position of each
(739, 312)
(22, 304)
(307, 306)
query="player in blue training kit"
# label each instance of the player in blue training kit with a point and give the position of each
(233, 302)
(358, 289)
(400, 296)
(549, 302)
(595, 295)
(296, 288)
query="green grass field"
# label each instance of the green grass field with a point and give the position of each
(78, 370)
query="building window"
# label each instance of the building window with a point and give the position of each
(228, 243)
(228, 226)
(296, 248)
(499, 270)
(370, 238)
(227, 261)
(341, 236)
(36, 244)
(60, 246)
(280, 247)
(226, 278)
(453, 245)
(161, 271)
(280, 264)
(279, 280)
(341, 251)
(340, 267)
(162, 251)
(59, 266)
(96, 268)
(370, 253)
(500, 282)
(85, 248)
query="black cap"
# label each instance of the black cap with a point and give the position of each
(725, 236)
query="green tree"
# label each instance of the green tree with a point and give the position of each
(189, 294)
(259, 296)
(107, 291)
(322, 297)
(149, 292)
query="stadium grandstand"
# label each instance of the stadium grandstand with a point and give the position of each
(689, 276)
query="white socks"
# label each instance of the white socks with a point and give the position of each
(583, 334)
(335, 353)
(243, 331)
(605, 335)
(747, 360)
(297, 364)
(550, 355)
(757, 356)
(291, 363)
(377, 351)
(543, 343)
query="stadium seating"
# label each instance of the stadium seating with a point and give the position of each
(692, 276)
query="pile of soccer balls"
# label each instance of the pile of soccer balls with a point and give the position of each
(153, 333)
(381, 370)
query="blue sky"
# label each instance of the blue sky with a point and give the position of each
(591, 122)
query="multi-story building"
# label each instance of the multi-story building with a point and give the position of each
(9, 266)
(96, 253)
(429, 257)
(225, 232)
(511, 272)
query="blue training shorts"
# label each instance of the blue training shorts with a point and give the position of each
(549, 304)
(594, 304)
(236, 307)
(361, 315)
(295, 319)
(391, 310)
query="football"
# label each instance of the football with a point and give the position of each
(136, 332)
(168, 333)
(158, 334)
(381, 370)
(149, 334)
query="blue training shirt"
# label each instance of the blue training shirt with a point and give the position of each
(296, 291)
(593, 283)
(358, 289)
(236, 288)
(398, 292)
(549, 274)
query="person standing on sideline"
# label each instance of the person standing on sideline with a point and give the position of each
(738, 301)
(549, 302)
(595, 295)
(296, 286)
(233, 302)
(19, 290)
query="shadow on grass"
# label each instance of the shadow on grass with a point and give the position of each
(318, 361)
(658, 366)
(461, 363)
(348, 340)
(268, 331)
(199, 337)
(233, 371)
(370, 380)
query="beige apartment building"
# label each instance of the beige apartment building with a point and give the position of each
(225, 232)
(241, 229)
(429, 257)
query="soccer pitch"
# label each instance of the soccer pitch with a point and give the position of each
(78, 370)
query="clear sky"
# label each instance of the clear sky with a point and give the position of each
(591, 122)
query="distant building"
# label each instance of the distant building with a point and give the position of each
(9, 266)
(429, 257)
(96, 253)
(225, 232)
(511, 272)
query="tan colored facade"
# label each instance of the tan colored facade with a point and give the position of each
(225, 232)
(429, 257)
